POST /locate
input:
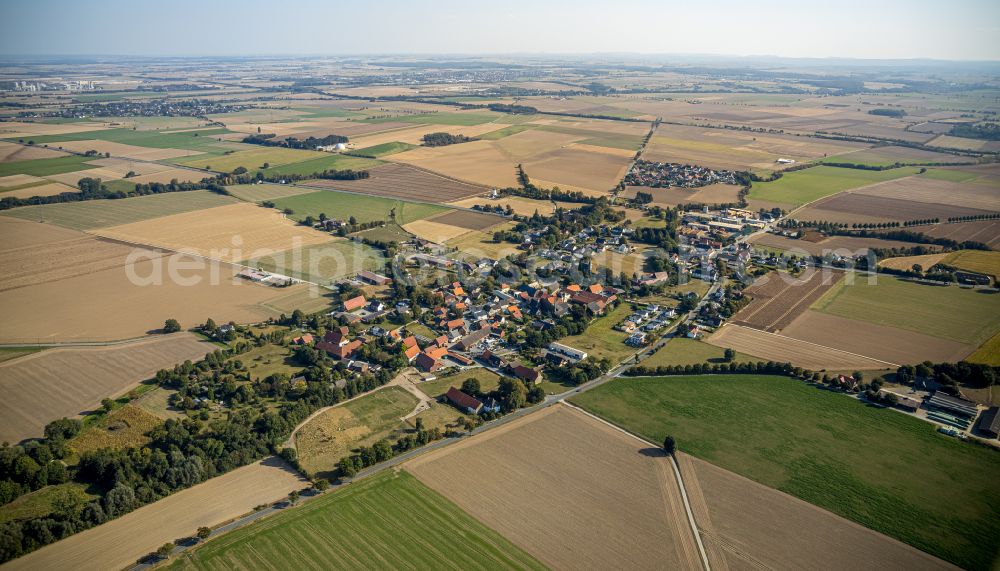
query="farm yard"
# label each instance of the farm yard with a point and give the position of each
(866, 464)
(541, 481)
(38, 389)
(392, 514)
(119, 543)
(405, 182)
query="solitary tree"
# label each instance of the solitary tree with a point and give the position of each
(729, 355)
(165, 550)
(171, 326)
(669, 445)
(204, 532)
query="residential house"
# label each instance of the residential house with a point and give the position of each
(466, 403)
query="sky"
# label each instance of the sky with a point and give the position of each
(871, 29)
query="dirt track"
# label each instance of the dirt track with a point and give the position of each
(572, 491)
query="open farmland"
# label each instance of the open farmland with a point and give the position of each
(390, 521)
(746, 524)
(478, 244)
(881, 342)
(118, 149)
(333, 433)
(783, 349)
(407, 183)
(343, 205)
(879, 468)
(92, 214)
(890, 155)
(778, 298)
(976, 261)
(986, 231)
(46, 167)
(857, 204)
(230, 233)
(573, 168)
(522, 206)
(39, 190)
(543, 480)
(320, 164)
(119, 543)
(950, 312)
(478, 162)
(711, 194)
(925, 261)
(38, 389)
(320, 263)
(809, 185)
(970, 195)
(468, 220)
(254, 159)
(684, 351)
(262, 192)
(842, 245)
(11, 152)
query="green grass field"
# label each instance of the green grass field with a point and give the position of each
(192, 140)
(384, 149)
(988, 353)
(880, 468)
(39, 503)
(811, 184)
(92, 214)
(601, 340)
(505, 132)
(324, 163)
(46, 167)
(322, 263)
(389, 233)
(488, 380)
(388, 521)
(252, 159)
(684, 351)
(261, 192)
(442, 118)
(599, 138)
(961, 314)
(342, 205)
(8, 353)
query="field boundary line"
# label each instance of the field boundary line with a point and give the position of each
(896, 365)
(677, 473)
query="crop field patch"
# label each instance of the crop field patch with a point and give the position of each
(92, 214)
(321, 164)
(63, 258)
(814, 183)
(479, 244)
(778, 298)
(261, 192)
(890, 155)
(49, 189)
(976, 261)
(364, 208)
(435, 231)
(935, 191)
(253, 159)
(522, 206)
(38, 390)
(391, 514)
(321, 263)
(950, 312)
(407, 183)
(230, 233)
(469, 220)
(479, 162)
(711, 194)
(783, 349)
(859, 204)
(986, 231)
(168, 176)
(118, 543)
(543, 480)
(11, 152)
(46, 167)
(571, 168)
(925, 261)
(123, 150)
(843, 245)
(882, 469)
(684, 351)
(124, 427)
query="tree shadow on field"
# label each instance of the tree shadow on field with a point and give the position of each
(653, 452)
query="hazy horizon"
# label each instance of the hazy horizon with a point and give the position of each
(967, 30)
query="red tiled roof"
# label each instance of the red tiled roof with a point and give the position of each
(355, 303)
(463, 400)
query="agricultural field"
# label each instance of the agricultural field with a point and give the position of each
(925, 261)
(321, 263)
(434, 231)
(477, 244)
(47, 167)
(976, 261)
(343, 205)
(778, 298)
(889, 472)
(478, 162)
(746, 524)
(858, 205)
(11, 152)
(542, 480)
(986, 231)
(469, 220)
(91, 214)
(261, 192)
(119, 543)
(784, 349)
(960, 314)
(363, 421)
(390, 520)
(522, 206)
(711, 194)
(891, 155)
(988, 353)
(407, 183)
(324, 163)
(384, 149)
(8, 353)
(601, 339)
(684, 351)
(230, 233)
(809, 185)
(978, 196)
(37, 389)
(842, 245)
(253, 159)
(178, 144)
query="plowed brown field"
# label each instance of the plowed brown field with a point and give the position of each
(779, 298)
(408, 183)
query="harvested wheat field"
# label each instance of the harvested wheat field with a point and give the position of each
(407, 183)
(986, 231)
(19, 180)
(842, 245)
(10, 152)
(229, 233)
(40, 190)
(167, 176)
(123, 150)
(711, 194)
(746, 525)
(522, 206)
(783, 349)
(577, 169)
(133, 298)
(934, 191)
(570, 490)
(117, 544)
(881, 342)
(478, 162)
(15, 129)
(925, 261)
(43, 387)
(859, 204)
(778, 298)
(435, 231)
(124, 166)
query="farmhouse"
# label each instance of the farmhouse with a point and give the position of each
(355, 303)
(529, 375)
(373, 278)
(427, 364)
(472, 339)
(464, 402)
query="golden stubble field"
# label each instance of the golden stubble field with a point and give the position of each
(784, 349)
(745, 525)
(570, 490)
(51, 384)
(120, 542)
(231, 233)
